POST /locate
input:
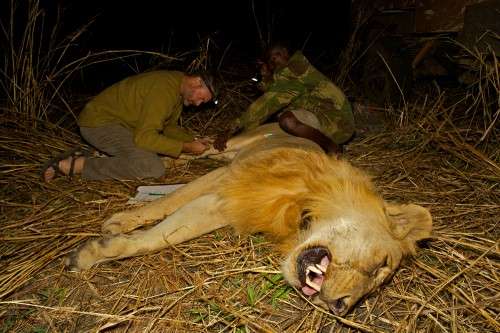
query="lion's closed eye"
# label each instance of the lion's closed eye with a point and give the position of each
(305, 219)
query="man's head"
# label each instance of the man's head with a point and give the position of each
(198, 88)
(278, 55)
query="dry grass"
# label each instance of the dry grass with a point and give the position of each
(225, 283)
(40, 61)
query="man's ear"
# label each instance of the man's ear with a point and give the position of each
(409, 224)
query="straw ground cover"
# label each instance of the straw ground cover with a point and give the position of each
(432, 153)
(225, 283)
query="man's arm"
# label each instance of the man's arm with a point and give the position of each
(261, 109)
(177, 133)
(195, 147)
(158, 106)
(264, 107)
(283, 90)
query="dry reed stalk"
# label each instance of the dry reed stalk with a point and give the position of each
(484, 88)
(222, 282)
(36, 68)
(351, 54)
(207, 284)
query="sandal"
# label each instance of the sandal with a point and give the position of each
(54, 163)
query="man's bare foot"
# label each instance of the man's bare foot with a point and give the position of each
(64, 167)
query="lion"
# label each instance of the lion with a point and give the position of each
(339, 239)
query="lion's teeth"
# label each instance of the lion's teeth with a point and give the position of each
(321, 268)
(313, 285)
(315, 270)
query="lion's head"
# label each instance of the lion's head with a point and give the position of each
(340, 259)
(340, 239)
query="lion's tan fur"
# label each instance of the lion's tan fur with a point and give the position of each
(289, 189)
(269, 194)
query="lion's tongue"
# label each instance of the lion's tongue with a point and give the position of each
(317, 279)
(310, 291)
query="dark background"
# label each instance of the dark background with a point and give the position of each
(320, 28)
(153, 24)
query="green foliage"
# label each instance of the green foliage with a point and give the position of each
(10, 320)
(49, 295)
(274, 285)
(241, 329)
(251, 295)
(200, 314)
(7, 325)
(258, 239)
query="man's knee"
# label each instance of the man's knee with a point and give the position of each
(148, 168)
(288, 122)
(157, 170)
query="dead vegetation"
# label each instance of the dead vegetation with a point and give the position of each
(430, 153)
(221, 282)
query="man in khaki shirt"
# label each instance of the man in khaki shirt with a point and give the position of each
(133, 121)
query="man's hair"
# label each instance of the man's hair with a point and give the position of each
(210, 80)
(278, 44)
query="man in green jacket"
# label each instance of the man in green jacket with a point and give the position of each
(308, 103)
(133, 121)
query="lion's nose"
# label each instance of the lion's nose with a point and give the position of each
(338, 306)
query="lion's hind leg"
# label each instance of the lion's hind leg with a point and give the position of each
(129, 220)
(196, 218)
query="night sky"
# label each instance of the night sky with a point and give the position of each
(161, 26)
(156, 24)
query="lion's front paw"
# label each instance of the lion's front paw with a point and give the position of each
(80, 259)
(71, 262)
(119, 223)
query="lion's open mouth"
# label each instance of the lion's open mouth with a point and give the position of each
(311, 267)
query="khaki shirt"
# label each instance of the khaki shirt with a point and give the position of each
(148, 104)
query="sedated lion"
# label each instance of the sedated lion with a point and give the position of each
(340, 240)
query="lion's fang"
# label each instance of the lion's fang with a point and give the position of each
(321, 268)
(316, 270)
(313, 285)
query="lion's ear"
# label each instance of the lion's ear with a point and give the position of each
(409, 223)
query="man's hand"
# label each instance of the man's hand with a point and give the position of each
(195, 147)
(266, 75)
(220, 142)
(266, 71)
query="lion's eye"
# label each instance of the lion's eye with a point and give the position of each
(305, 220)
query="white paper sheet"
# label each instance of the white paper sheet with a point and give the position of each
(152, 192)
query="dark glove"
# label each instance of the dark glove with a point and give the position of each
(221, 140)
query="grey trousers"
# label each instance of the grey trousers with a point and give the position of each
(125, 161)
